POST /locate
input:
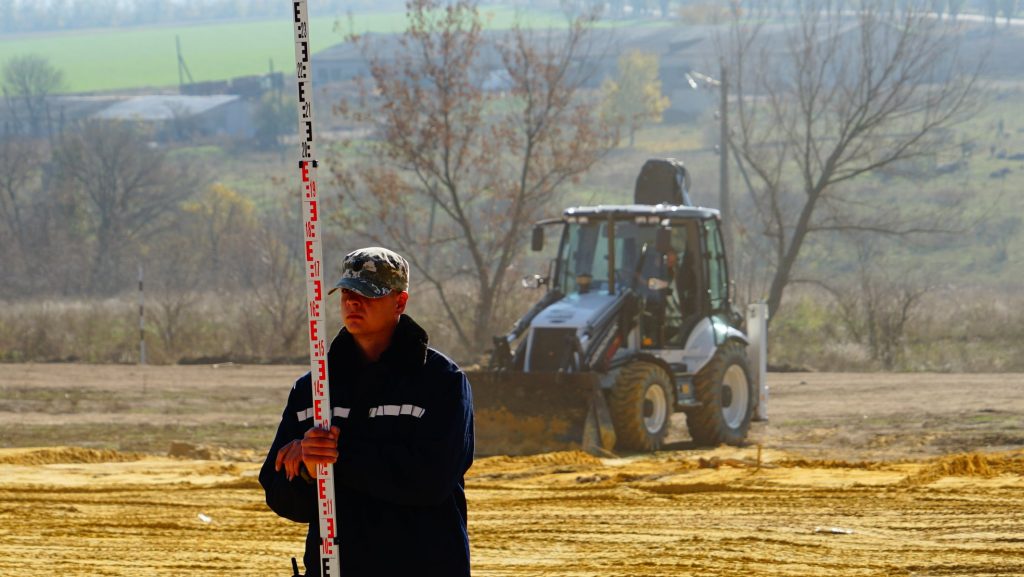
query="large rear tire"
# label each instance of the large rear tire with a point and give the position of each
(726, 395)
(641, 404)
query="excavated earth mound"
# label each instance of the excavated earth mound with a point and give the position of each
(56, 455)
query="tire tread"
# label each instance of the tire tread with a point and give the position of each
(625, 400)
(706, 425)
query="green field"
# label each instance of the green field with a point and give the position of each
(111, 59)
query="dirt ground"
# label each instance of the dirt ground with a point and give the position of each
(110, 470)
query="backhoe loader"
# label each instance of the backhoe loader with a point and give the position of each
(636, 322)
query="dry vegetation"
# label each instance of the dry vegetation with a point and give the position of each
(949, 331)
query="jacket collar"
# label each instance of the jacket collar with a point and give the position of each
(408, 349)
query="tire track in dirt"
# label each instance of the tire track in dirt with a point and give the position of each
(562, 514)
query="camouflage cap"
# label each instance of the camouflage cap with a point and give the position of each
(374, 272)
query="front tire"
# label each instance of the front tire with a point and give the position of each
(726, 395)
(641, 403)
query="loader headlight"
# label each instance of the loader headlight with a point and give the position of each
(534, 281)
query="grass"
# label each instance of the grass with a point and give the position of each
(112, 59)
(99, 60)
(671, 140)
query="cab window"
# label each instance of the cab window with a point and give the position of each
(718, 276)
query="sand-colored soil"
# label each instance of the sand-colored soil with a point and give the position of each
(858, 475)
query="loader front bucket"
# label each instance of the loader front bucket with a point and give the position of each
(527, 413)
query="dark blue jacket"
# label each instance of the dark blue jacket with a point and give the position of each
(405, 443)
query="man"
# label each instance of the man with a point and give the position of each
(401, 438)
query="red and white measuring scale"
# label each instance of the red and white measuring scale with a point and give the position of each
(315, 288)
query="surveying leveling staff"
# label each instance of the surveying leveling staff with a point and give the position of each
(401, 438)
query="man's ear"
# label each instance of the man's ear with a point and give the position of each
(400, 302)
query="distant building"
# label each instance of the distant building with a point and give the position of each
(680, 50)
(180, 117)
(345, 62)
(248, 87)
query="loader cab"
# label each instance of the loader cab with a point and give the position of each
(675, 285)
(590, 251)
(670, 259)
(699, 283)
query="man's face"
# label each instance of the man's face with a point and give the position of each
(365, 316)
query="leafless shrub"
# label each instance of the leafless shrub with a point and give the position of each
(877, 304)
(273, 291)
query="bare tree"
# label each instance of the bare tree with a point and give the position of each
(20, 161)
(222, 223)
(129, 191)
(39, 222)
(209, 241)
(275, 117)
(991, 8)
(459, 171)
(839, 94)
(175, 270)
(1009, 9)
(27, 81)
(955, 7)
(272, 279)
(877, 305)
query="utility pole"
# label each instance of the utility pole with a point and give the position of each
(695, 80)
(183, 70)
(723, 160)
(142, 320)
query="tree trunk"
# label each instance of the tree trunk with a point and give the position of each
(482, 323)
(103, 261)
(789, 257)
